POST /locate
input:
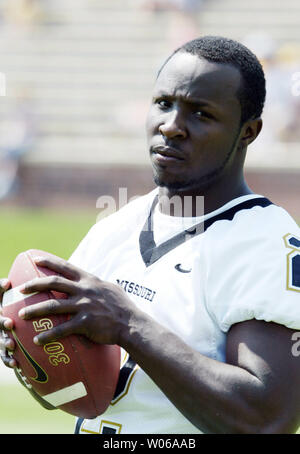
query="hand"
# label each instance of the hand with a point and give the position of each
(99, 310)
(7, 345)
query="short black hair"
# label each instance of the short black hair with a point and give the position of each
(218, 49)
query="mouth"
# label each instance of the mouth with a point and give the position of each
(165, 154)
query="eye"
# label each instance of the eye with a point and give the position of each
(163, 103)
(201, 114)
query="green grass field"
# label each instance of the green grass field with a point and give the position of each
(21, 414)
(58, 233)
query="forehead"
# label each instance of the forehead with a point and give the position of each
(189, 76)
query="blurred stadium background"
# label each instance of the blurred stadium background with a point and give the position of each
(79, 75)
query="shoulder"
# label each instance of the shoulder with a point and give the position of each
(263, 227)
(253, 264)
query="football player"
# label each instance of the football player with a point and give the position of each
(204, 301)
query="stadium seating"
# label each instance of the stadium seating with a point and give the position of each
(88, 69)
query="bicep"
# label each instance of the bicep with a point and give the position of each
(266, 351)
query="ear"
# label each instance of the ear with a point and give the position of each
(250, 130)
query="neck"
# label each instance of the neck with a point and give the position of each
(193, 202)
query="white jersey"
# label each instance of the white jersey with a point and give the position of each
(241, 262)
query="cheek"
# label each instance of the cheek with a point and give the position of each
(212, 138)
(203, 142)
(209, 147)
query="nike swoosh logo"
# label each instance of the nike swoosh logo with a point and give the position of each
(182, 270)
(41, 376)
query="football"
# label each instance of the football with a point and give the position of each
(72, 374)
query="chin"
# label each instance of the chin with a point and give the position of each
(198, 185)
(168, 185)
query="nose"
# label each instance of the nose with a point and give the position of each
(172, 126)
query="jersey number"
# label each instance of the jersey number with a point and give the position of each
(293, 262)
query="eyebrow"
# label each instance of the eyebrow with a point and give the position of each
(190, 100)
(199, 101)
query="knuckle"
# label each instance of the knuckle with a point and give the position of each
(52, 306)
(90, 285)
(83, 318)
(32, 282)
(54, 280)
(51, 335)
(83, 322)
(30, 285)
(87, 287)
(59, 331)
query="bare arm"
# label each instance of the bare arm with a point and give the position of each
(256, 391)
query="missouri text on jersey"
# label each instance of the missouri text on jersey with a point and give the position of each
(137, 289)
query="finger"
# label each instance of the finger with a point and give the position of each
(46, 284)
(8, 361)
(6, 324)
(60, 266)
(6, 344)
(58, 332)
(49, 307)
(4, 285)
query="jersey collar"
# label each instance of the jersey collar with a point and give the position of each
(150, 252)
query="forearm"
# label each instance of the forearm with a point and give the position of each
(256, 391)
(216, 397)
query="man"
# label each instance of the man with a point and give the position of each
(208, 344)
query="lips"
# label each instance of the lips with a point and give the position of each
(165, 153)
